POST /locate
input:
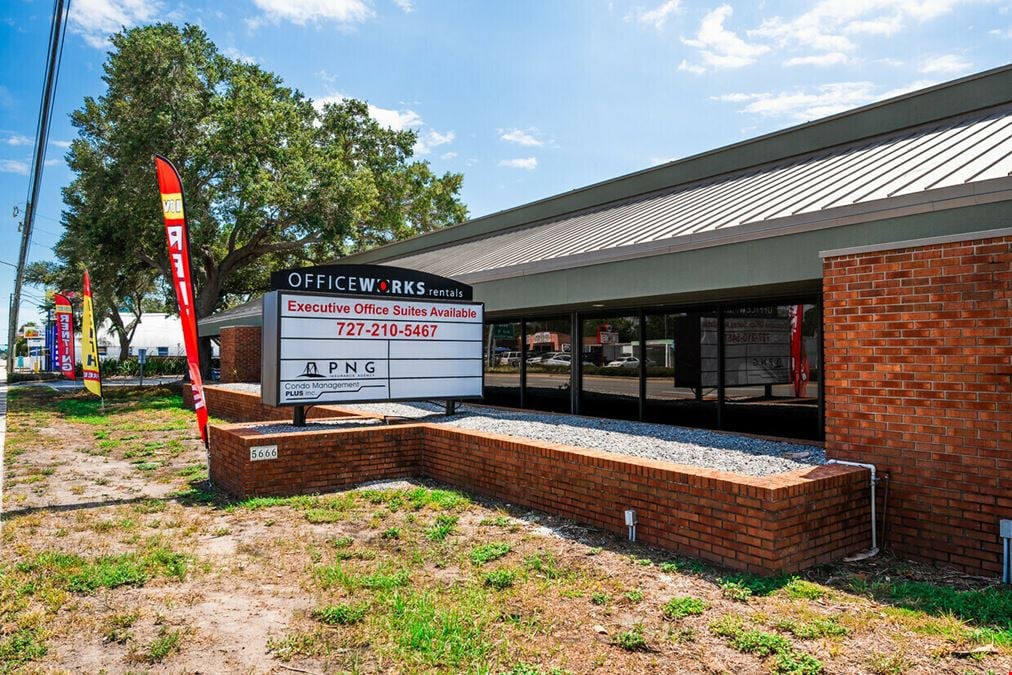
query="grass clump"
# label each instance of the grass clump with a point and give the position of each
(342, 542)
(498, 521)
(631, 640)
(443, 527)
(543, 564)
(119, 628)
(448, 633)
(735, 590)
(340, 615)
(78, 575)
(810, 630)
(799, 589)
(166, 643)
(683, 606)
(489, 552)
(391, 533)
(500, 579)
(635, 595)
(600, 599)
(419, 498)
(786, 659)
(335, 575)
(21, 647)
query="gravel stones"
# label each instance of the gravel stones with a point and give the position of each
(696, 447)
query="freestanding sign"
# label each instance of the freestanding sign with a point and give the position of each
(322, 348)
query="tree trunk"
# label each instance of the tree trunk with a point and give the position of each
(204, 304)
(124, 337)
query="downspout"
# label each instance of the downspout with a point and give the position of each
(873, 551)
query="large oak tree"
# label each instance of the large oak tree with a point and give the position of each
(270, 179)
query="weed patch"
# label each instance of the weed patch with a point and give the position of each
(489, 552)
(340, 615)
(500, 579)
(679, 607)
(631, 640)
(444, 526)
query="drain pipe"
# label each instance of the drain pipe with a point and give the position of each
(873, 551)
(1005, 529)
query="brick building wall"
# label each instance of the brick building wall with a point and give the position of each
(240, 354)
(786, 522)
(918, 360)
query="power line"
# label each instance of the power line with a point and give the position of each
(57, 30)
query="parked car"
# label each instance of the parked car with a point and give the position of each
(628, 362)
(540, 358)
(509, 359)
(558, 360)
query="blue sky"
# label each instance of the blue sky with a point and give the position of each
(526, 98)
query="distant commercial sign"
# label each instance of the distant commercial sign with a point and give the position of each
(337, 348)
(757, 349)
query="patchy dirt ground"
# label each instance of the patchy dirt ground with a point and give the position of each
(116, 557)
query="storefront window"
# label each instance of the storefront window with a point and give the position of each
(770, 354)
(549, 355)
(681, 386)
(610, 362)
(503, 344)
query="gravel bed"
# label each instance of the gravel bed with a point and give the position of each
(315, 425)
(695, 447)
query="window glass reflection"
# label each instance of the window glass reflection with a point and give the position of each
(682, 385)
(503, 343)
(549, 360)
(610, 360)
(770, 352)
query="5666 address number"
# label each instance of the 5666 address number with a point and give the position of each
(260, 452)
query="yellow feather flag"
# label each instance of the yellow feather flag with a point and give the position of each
(89, 344)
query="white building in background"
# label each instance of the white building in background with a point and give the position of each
(159, 334)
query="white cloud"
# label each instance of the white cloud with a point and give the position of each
(53, 162)
(525, 163)
(828, 59)
(13, 166)
(802, 106)
(236, 55)
(947, 64)
(430, 139)
(719, 47)
(60, 144)
(448, 156)
(691, 67)
(829, 25)
(657, 16)
(399, 120)
(654, 161)
(18, 139)
(95, 20)
(405, 5)
(1004, 34)
(521, 137)
(302, 12)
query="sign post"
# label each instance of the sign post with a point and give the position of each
(142, 358)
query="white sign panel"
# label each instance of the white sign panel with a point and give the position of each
(335, 349)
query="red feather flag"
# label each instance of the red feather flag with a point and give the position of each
(178, 237)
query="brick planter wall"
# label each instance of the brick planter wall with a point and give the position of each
(777, 523)
(240, 354)
(918, 360)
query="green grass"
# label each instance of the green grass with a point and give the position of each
(19, 648)
(342, 542)
(735, 590)
(340, 615)
(498, 521)
(810, 630)
(631, 640)
(443, 527)
(634, 595)
(499, 579)
(799, 589)
(166, 643)
(391, 533)
(80, 575)
(988, 607)
(543, 564)
(683, 606)
(448, 633)
(600, 599)
(786, 659)
(384, 579)
(488, 552)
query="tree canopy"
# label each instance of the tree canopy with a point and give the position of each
(270, 179)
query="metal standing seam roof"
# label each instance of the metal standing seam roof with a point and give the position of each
(945, 154)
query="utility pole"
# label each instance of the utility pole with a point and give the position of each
(56, 33)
